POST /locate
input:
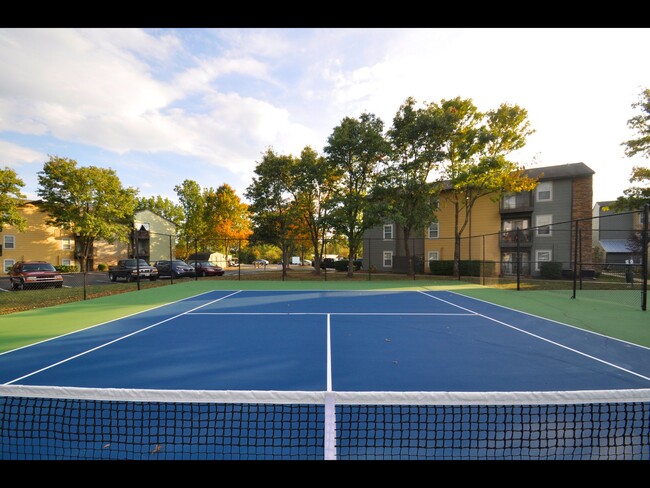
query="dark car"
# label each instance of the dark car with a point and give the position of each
(34, 274)
(207, 268)
(174, 269)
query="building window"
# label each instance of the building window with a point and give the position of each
(9, 242)
(545, 191)
(388, 232)
(388, 259)
(515, 229)
(434, 255)
(66, 262)
(66, 244)
(543, 224)
(434, 230)
(542, 256)
(7, 264)
(510, 262)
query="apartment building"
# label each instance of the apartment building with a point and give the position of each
(38, 242)
(612, 232)
(525, 229)
(153, 235)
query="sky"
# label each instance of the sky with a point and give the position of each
(159, 106)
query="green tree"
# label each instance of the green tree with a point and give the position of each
(404, 193)
(10, 196)
(637, 196)
(87, 200)
(192, 201)
(271, 202)
(355, 150)
(312, 184)
(163, 207)
(475, 162)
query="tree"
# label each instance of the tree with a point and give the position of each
(163, 207)
(192, 201)
(475, 163)
(231, 218)
(10, 195)
(636, 197)
(312, 183)
(404, 193)
(271, 205)
(355, 150)
(88, 200)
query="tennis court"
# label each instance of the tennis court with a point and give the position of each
(233, 374)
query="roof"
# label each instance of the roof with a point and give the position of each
(560, 171)
(615, 245)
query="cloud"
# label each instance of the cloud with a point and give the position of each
(14, 155)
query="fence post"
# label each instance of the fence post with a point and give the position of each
(575, 257)
(644, 257)
(369, 257)
(483, 251)
(171, 277)
(518, 258)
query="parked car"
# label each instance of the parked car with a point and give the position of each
(130, 269)
(258, 263)
(34, 274)
(327, 263)
(207, 268)
(174, 269)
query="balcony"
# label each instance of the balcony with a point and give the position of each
(512, 238)
(517, 203)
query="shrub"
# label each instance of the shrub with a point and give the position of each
(342, 265)
(102, 267)
(550, 270)
(66, 269)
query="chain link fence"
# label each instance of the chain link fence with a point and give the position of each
(589, 255)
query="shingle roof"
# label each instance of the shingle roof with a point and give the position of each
(560, 171)
(615, 245)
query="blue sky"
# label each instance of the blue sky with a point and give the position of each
(163, 105)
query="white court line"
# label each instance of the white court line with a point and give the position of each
(400, 314)
(551, 320)
(107, 322)
(541, 338)
(116, 340)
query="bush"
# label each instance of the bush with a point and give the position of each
(467, 268)
(66, 269)
(550, 270)
(444, 268)
(102, 267)
(342, 265)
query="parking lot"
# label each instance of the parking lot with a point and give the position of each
(71, 280)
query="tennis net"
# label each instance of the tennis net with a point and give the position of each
(61, 423)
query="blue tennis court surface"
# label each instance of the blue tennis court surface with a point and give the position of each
(371, 341)
(326, 342)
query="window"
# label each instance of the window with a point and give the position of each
(543, 224)
(66, 244)
(66, 262)
(542, 256)
(7, 264)
(434, 255)
(388, 259)
(9, 242)
(388, 232)
(434, 230)
(515, 229)
(545, 191)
